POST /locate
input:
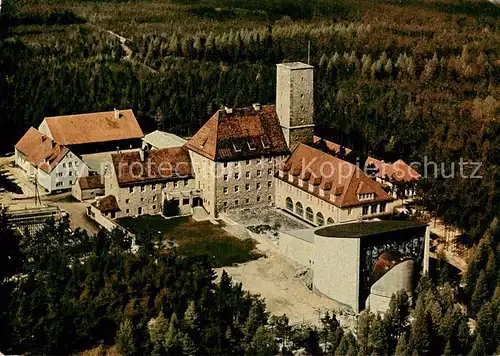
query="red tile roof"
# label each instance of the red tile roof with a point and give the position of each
(94, 127)
(159, 165)
(90, 182)
(40, 150)
(332, 146)
(243, 134)
(340, 181)
(398, 170)
(107, 204)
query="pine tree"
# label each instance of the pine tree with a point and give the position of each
(378, 337)
(485, 325)
(264, 342)
(478, 346)
(125, 338)
(420, 336)
(402, 346)
(480, 293)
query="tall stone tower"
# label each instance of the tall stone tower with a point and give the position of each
(295, 102)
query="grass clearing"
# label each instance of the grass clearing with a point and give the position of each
(195, 238)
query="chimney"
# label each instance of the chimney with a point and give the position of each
(256, 106)
(117, 114)
(228, 110)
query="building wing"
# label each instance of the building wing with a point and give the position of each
(239, 134)
(93, 127)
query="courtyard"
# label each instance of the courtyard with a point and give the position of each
(193, 238)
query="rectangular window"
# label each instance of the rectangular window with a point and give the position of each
(349, 211)
(383, 207)
(259, 173)
(143, 188)
(131, 189)
(225, 164)
(258, 185)
(224, 204)
(176, 184)
(247, 187)
(77, 163)
(247, 174)
(259, 161)
(225, 190)
(258, 199)
(225, 177)
(164, 185)
(269, 184)
(70, 173)
(70, 182)
(186, 182)
(373, 209)
(365, 210)
(247, 201)
(236, 189)
(70, 164)
(127, 211)
(154, 197)
(64, 165)
(139, 210)
(236, 202)
(236, 176)
(154, 207)
(236, 164)
(126, 201)
(269, 197)
(269, 171)
(248, 162)
(185, 201)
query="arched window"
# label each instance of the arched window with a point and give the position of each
(330, 221)
(299, 209)
(320, 220)
(309, 214)
(289, 204)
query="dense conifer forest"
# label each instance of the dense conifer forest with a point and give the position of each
(411, 79)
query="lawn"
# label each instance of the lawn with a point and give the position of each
(195, 238)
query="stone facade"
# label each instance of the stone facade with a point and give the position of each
(147, 198)
(295, 102)
(246, 183)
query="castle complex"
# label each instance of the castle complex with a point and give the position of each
(253, 157)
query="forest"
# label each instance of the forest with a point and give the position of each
(413, 80)
(63, 292)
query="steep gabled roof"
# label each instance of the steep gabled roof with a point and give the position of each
(159, 165)
(90, 182)
(40, 150)
(94, 127)
(107, 204)
(341, 182)
(399, 170)
(245, 133)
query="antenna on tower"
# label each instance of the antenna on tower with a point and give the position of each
(308, 52)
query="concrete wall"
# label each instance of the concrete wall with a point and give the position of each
(296, 249)
(103, 220)
(336, 269)
(400, 277)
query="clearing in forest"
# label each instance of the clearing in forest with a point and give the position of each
(195, 238)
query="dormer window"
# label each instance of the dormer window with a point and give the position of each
(251, 147)
(281, 173)
(301, 182)
(265, 142)
(321, 192)
(311, 187)
(290, 177)
(236, 148)
(366, 196)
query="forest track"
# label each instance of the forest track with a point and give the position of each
(128, 51)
